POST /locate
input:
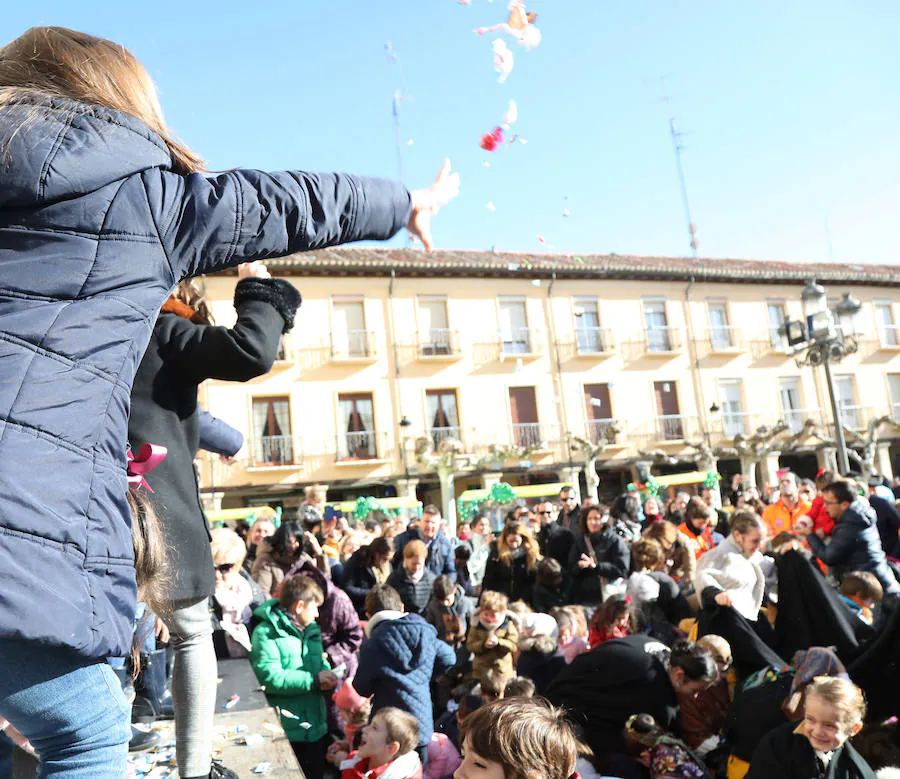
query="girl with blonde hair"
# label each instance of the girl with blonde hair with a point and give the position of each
(102, 213)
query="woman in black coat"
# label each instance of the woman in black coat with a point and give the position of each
(185, 350)
(512, 564)
(598, 555)
(367, 566)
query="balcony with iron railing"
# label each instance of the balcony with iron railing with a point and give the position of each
(361, 447)
(353, 346)
(855, 417)
(733, 423)
(274, 452)
(889, 337)
(724, 340)
(520, 342)
(796, 418)
(656, 341)
(608, 431)
(771, 343)
(438, 344)
(533, 436)
(439, 435)
(594, 342)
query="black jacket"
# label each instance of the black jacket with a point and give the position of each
(812, 613)
(357, 578)
(541, 660)
(556, 541)
(888, 524)
(604, 687)
(415, 595)
(182, 355)
(783, 754)
(514, 580)
(613, 561)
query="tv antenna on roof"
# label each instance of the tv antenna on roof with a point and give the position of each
(678, 147)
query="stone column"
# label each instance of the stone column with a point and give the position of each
(570, 476)
(211, 501)
(490, 478)
(769, 465)
(883, 461)
(406, 488)
(748, 468)
(827, 458)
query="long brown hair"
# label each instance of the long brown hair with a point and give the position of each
(59, 62)
(188, 292)
(532, 550)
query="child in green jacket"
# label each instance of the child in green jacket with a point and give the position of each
(288, 659)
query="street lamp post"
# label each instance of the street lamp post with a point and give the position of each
(819, 342)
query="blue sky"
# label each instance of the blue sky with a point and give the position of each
(791, 110)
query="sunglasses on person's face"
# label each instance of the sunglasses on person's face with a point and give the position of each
(224, 567)
(544, 512)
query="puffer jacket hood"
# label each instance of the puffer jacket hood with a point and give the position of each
(96, 231)
(409, 636)
(74, 149)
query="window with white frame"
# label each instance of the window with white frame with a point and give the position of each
(588, 335)
(884, 320)
(349, 337)
(719, 328)
(514, 334)
(272, 439)
(434, 328)
(656, 325)
(776, 316)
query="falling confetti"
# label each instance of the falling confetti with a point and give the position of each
(519, 25)
(409, 142)
(567, 213)
(503, 59)
(485, 164)
(511, 115)
(490, 206)
(490, 141)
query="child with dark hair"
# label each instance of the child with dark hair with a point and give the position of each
(613, 619)
(289, 660)
(550, 589)
(461, 556)
(660, 752)
(449, 610)
(492, 686)
(519, 687)
(862, 592)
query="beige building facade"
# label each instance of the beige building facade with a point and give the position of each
(529, 360)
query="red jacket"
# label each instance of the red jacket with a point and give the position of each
(602, 635)
(404, 767)
(820, 518)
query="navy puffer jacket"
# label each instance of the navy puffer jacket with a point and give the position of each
(95, 230)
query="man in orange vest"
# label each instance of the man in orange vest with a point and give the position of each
(781, 515)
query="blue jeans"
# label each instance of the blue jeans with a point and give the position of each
(72, 709)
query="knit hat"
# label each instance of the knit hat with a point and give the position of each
(348, 698)
(538, 624)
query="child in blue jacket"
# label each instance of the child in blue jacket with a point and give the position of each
(399, 660)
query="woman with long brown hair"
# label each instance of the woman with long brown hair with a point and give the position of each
(512, 564)
(102, 213)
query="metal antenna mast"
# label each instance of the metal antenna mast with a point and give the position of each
(677, 147)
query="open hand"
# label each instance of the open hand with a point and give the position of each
(253, 270)
(724, 599)
(327, 680)
(427, 202)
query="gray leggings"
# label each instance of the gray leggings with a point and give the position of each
(193, 685)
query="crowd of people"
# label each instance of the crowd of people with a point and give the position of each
(670, 631)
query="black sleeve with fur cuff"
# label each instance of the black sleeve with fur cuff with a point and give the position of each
(283, 296)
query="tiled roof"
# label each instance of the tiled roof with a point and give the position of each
(357, 261)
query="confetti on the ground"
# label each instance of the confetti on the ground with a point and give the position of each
(252, 740)
(262, 768)
(232, 702)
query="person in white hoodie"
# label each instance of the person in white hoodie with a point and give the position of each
(732, 587)
(732, 570)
